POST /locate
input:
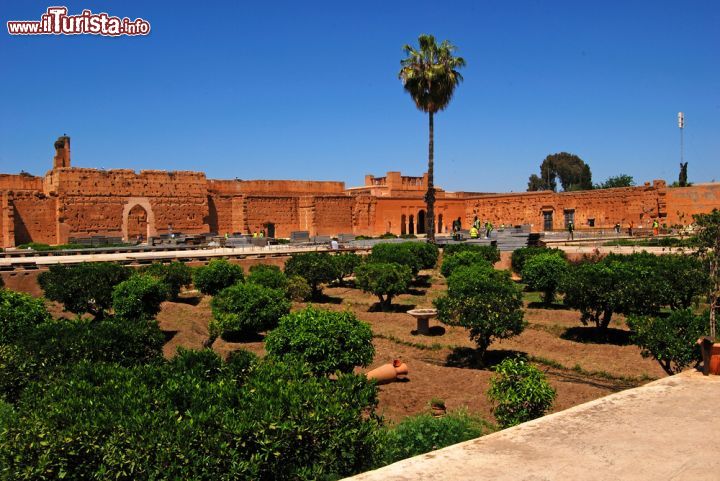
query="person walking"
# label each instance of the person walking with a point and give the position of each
(488, 229)
(571, 230)
(656, 227)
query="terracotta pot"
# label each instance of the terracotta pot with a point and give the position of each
(438, 411)
(388, 372)
(711, 356)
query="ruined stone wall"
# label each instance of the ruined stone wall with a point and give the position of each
(333, 215)
(279, 210)
(275, 187)
(97, 202)
(602, 207)
(13, 182)
(683, 202)
(34, 218)
(390, 214)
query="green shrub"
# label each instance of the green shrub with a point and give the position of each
(85, 287)
(544, 272)
(268, 276)
(519, 392)
(327, 341)
(247, 308)
(385, 280)
(17, 369)
(174, 275)
(670, 340)
(202, 364)
(139, 297)
(400, 253)
(239, 364)
(298, 289)
(216, 276)
(345, 264)
(387, 235)
(104, 421)
(462, 258)
(19, 313)
(316, 267)
(423, 433)
(485, 301)
(62, 342)
(489, 253)
(427, 253)
(598, 290)
(520, 256)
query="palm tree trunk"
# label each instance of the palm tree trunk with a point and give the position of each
(430, 195)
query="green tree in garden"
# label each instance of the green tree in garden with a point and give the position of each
(403, 253)
(216, 276)
(485, 301)
(139, 298)
(327, 341)
(345, 265)
(245, 308)
(430, 75)
(298, 289)
(268, 276)
(385, 280)
(174, 275)
(521, 255)
(85, 287)
(520, 392)
(489, 253)
(670, 340)
(708, 241)
(19, 313)
(461, 259)
(545, 272)
(316, 267)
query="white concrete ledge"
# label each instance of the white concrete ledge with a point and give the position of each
(666, 430)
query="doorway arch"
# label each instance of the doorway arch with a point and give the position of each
(440, 224)
(138, 218)
(411, 226)
(421, 222)
(403, 227)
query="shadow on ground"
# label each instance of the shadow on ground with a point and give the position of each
(592, 335)
(378, 307)
(468, 358)
(243, 337)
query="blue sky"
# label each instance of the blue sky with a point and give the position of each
(309, 90)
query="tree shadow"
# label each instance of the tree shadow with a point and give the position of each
(379, 307)
(415, 292)
(191, 301)
(421, 281)
(169, 335)
(468, 358)
(237, 337)
(593, 335)
(432, 331)
(325, 299)
(541, 305)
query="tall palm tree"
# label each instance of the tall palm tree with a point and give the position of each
(430, 76)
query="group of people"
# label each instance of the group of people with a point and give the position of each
(477, 226)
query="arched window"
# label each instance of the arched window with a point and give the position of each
(403, 227)
(421, 222)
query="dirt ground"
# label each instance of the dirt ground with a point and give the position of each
(442, 364)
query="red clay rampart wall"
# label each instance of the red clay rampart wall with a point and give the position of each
(34, 218)
(275, 187)
(13, 182)
(606, 206)
(683, 202)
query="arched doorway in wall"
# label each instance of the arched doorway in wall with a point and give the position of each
(440, 224)
(411, 226)
(421, 222)
(137, 223)
(403, 227)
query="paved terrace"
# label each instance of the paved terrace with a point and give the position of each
(666, 430)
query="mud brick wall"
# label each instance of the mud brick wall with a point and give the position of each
(276, 187)
(606, 206)
(683, 202)
(34, 218)
(333, 215)
(279, 210)
(20, 182)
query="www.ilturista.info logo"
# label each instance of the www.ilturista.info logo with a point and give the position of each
(56, 21)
